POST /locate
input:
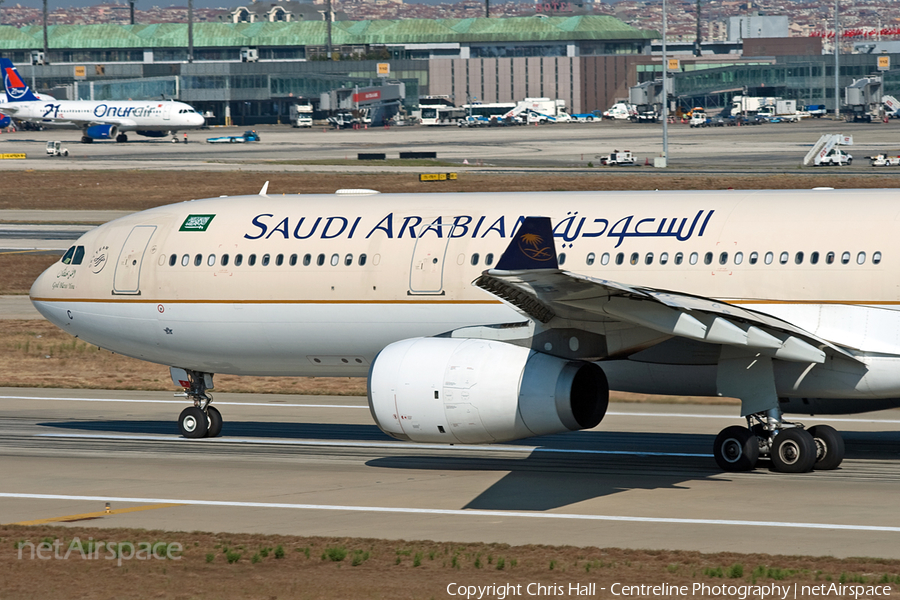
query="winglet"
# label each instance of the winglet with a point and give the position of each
(532, 247)
(16, 89)
(264, 189)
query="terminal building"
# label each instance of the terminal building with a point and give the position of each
(250, 68)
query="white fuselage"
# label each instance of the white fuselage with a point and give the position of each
(326, 281)
(127, 115)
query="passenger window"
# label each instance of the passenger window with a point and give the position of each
(845, 258)
(769, 258)
(211, 260)
(238, 260)
(79, 255)
(251, 260)
(590, 259)
(876, 258)
(723, 258)
(860, 258)
(620, 258)
(679, 258)
(829, 258)
(488, 259)
(335, 259)
(798, 258)
(293, 260)
(562, 259)
(279, 260)
(265, 260)
(663, 258)
(307, 258)
(634, 258)
(475, 259)
(348, 260)
(648, 260)
(783, 258)
(185, 260)
(694, 257)
(754, 257)
(604, 258)
(707, 258)
(198, 260)
(320, 260)
(67, 257)
(362, 260)
(814, 258)
(172, 260)
(224, 260)
(738, 258)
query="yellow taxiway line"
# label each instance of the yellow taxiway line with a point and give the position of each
(94, 515)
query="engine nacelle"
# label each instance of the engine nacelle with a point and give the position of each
(101, 132)
(5, 121)
(470, 391)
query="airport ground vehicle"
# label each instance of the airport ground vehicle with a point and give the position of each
(836, 157)
(623, 158)
(55, 148)
(620, 111)
(301, 115)
(248, 136)
(816, 110)
(883, 160)
(699, 119)
(584, 117)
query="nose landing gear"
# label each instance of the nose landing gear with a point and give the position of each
(201, 419)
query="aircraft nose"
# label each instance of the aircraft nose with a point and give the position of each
(42, 292)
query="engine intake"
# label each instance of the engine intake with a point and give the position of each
(479, 391)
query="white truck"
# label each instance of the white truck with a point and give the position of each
(621, 158)
(56, 148)
(620, 111)
(836, 158)
(699, 119)
(786, 109)
(301, 115)
(883, 160)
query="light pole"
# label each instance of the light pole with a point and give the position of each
(837, 64)
(665, 79)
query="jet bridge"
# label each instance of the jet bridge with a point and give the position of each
(863, 99)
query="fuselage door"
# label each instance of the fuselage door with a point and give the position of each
(426, 274)
(167, 110)
(127, 279)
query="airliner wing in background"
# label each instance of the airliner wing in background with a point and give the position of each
(630, 318)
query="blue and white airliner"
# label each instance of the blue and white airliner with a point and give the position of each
(98, 120)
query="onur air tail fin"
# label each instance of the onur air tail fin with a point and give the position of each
(532, 247)
(15, 87)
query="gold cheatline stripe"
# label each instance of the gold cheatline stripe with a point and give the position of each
(95, 515)
(436, 300)
(125, 300)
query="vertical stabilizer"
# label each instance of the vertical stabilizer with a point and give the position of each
(15, 87)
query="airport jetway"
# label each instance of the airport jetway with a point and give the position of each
(821, 149)
(382, 102)
(862, 99)
(648, 99)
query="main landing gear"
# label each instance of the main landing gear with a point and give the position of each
(201, 419)
(790, 447)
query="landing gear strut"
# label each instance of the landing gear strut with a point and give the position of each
(201, 419)
(790, 447)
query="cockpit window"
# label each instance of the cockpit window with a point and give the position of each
(79, 255)
(67, 257)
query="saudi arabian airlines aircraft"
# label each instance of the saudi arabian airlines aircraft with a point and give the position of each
(477, 323)
(98, 120)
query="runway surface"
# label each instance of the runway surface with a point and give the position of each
(309, 465)
(759, 149)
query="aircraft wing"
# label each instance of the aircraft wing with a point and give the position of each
(528, 277)
(88, 122)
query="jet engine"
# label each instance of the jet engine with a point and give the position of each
(101, 132)
(5, 121)
(473, 391)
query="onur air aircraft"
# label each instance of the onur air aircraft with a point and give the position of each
(483, 318)
(98, 120)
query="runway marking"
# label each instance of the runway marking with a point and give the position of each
(289, 405)
(182, 402)
(465, 513)
(349, 444)
(94, 515)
